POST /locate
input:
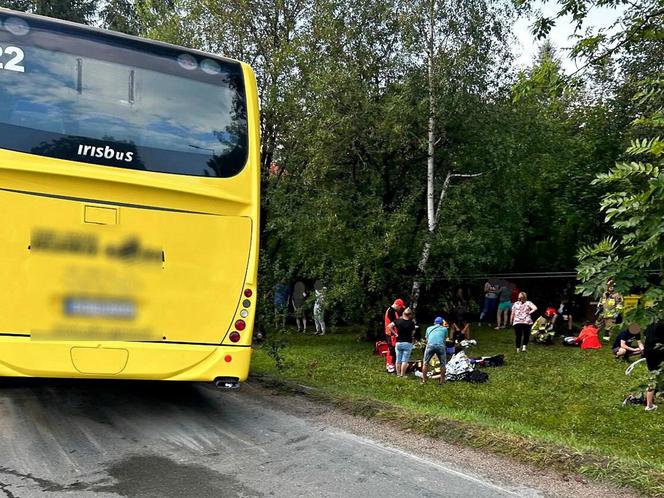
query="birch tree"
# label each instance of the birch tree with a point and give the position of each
(449, 36)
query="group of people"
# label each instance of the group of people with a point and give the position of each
(298, 299)
(441, 339)
(400, 329)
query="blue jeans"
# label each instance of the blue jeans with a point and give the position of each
(489, 308)
(437, 350)
(403, 351)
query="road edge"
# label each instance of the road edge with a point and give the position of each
(638, 478)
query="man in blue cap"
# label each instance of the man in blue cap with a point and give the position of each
(435, 336)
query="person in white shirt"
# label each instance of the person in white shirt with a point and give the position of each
(522, 321)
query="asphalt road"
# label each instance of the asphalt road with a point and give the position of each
(136, 439)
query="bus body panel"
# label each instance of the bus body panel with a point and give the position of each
(23, 357)
(168, 255)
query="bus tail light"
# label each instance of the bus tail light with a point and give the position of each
(248, 293)
(234, 337)
(240, 325)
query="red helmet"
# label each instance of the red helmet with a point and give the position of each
(550, 312)
(399, 302)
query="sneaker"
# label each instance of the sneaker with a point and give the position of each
(651, 408)
(518, 350)
(606, 338)
(523, 348)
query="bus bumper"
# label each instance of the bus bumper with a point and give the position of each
(22, 357)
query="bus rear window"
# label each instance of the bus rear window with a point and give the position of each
(76, 94)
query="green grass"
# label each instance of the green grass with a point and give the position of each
(543, 405)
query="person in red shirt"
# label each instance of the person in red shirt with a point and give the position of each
(392, 314)
(588, 338)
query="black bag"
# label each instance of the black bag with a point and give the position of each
(476, 377)
(494, 361)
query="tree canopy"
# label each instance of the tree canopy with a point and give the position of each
(351, 94)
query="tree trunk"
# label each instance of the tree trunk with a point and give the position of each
(426, 249)
(431, 149)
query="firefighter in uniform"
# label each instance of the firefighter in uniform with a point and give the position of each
(610, 307)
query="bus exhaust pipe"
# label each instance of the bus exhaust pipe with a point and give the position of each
(228, 383)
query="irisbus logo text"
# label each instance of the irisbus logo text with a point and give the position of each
(105, 153)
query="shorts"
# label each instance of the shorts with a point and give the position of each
(656, 380)
(403, 350)
(298, 312)
(438, 350)
(505, 306)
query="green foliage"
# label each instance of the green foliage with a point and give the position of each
(121, 15)
(634, 209)
(344, 125)
(81, 11)
(275, 349)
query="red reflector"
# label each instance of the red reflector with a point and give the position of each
(228, 358)
(240, 325)
(234, 337)
(248, 293)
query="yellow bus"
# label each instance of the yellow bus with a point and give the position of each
(129, 193)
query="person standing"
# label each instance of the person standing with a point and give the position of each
(522, 320)
(609, 309)
(490, 300)
(460, 305)
(435, 337)
(298, 299)
(504, 306)
(319, 310)
(281, 298)
(405, 328)
(392, 314)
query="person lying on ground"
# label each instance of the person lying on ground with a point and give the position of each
(624, 345)
(654, 354)
(542, 330)
(588, 338)
(405, 331)
(435, 337)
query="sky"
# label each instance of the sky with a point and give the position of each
(526, 45)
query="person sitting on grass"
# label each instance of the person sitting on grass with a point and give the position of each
(654, 354)
(588, 338)
(624, 345)
(405, 328)
(460, 331)
(435, 337)
(542, 330)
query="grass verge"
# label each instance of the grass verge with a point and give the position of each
(554, 407)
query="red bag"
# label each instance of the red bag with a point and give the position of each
(381, 348)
